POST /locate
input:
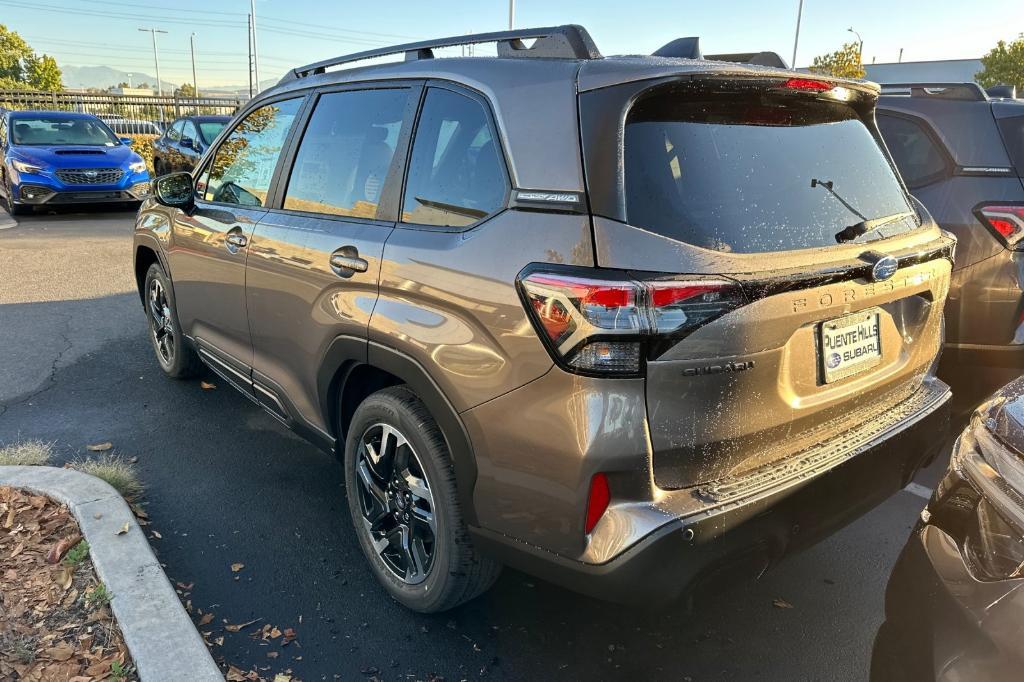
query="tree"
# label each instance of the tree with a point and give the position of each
(844, 62)
(21, 67)
(1004, 64)
(185, 90)
(42, 73)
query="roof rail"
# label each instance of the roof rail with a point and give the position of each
(758, 58)
(552, 42)
(959, 91)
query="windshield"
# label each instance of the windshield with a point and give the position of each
(757, 173)
(209, 130)
(61, 131)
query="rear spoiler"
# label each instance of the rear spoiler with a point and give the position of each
(689, 48)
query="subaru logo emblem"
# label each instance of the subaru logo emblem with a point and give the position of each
(833, 360)
(883, 266)
(90, 174)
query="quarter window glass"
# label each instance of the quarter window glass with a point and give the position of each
(456, 174)
(189, 131)
(346, 152)
(174, 132)
(245, 161)
(914, 152)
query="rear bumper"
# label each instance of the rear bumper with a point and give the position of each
(743, 537)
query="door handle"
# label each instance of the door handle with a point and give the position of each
(239, 241)
(346, 260)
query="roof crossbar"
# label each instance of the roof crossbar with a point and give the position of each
(569, 41)
(960, 91)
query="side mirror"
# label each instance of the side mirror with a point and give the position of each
(188, 143)
(126, 141)
(175, 190)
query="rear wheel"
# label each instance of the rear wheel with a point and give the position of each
(176, 356)
(402, 498)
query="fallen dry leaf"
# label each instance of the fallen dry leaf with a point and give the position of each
(18, 550)
(9, 521)
(235, 568)
(64, 579)
(157, 535)
(273, 654)
(124, 528)
(281, 677)
(207, 386)
(99, 447)
(240, 626)
(58, 551)
(234, 675)
(274, 633)
(781, 604)
(206, 619)
(61, 652)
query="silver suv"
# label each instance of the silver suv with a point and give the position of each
(632, 324)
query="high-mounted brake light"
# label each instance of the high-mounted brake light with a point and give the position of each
(809, 84)
(608, 325)
(1006, 221)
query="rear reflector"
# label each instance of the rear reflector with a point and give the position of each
(604, 323)
(597, 501)
(1005, 221)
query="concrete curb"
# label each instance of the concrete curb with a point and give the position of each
(6, 221)
(164, 643)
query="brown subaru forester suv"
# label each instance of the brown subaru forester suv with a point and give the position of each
(636, 325)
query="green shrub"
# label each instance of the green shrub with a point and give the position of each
(143, 146)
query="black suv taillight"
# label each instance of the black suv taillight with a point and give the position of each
(1006, 221)
(608, 323)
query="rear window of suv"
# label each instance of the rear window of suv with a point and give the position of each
(1012, 129)
(752, 173)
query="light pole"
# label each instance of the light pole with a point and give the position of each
(511, 14)
(130, 80)
(156, 58)
(860, 42)
(796, 40)
(195, 83)
(255, 49)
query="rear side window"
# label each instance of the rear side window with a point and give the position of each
(189, 131)
(244, 163)
(915, 152)
(750, 173)
(346, 152)
(1013, 135)
(174, 132)
(456, 174)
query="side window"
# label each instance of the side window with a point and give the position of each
(244, 162)
(174, 132)
(346, 152)
(456, 173)
(190, 131)
(916, 154)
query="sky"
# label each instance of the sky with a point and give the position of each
(295, 32)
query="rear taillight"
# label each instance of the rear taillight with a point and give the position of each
(1006, 221)
(807, 84)
(609, 323)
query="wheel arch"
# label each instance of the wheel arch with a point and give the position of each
(146, 255)
(355, 368)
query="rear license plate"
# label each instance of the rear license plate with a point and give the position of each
(849, 345)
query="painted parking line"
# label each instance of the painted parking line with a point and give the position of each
(919, 490)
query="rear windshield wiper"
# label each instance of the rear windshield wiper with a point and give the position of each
(853, 232)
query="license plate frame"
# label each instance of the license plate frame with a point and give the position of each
(844, 356)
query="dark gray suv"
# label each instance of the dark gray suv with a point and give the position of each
(633, 324)
(961, 153)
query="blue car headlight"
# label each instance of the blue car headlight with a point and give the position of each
(137, 166)
(23, 167)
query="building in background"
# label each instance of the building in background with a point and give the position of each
(136, 92)
(940, 71)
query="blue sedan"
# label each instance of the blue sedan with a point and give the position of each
(51, 157)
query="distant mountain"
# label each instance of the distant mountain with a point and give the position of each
(104, 77)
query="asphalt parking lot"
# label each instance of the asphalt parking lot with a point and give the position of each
(226, 484)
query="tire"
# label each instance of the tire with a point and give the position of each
(174, 353)
(441, 567)
(13, 208)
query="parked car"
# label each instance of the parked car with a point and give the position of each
(962, 155)
(604, 333)
(955, 602)
(134, 127)
(184, 142)
(54, 157)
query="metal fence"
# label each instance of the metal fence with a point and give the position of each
(134, 113)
